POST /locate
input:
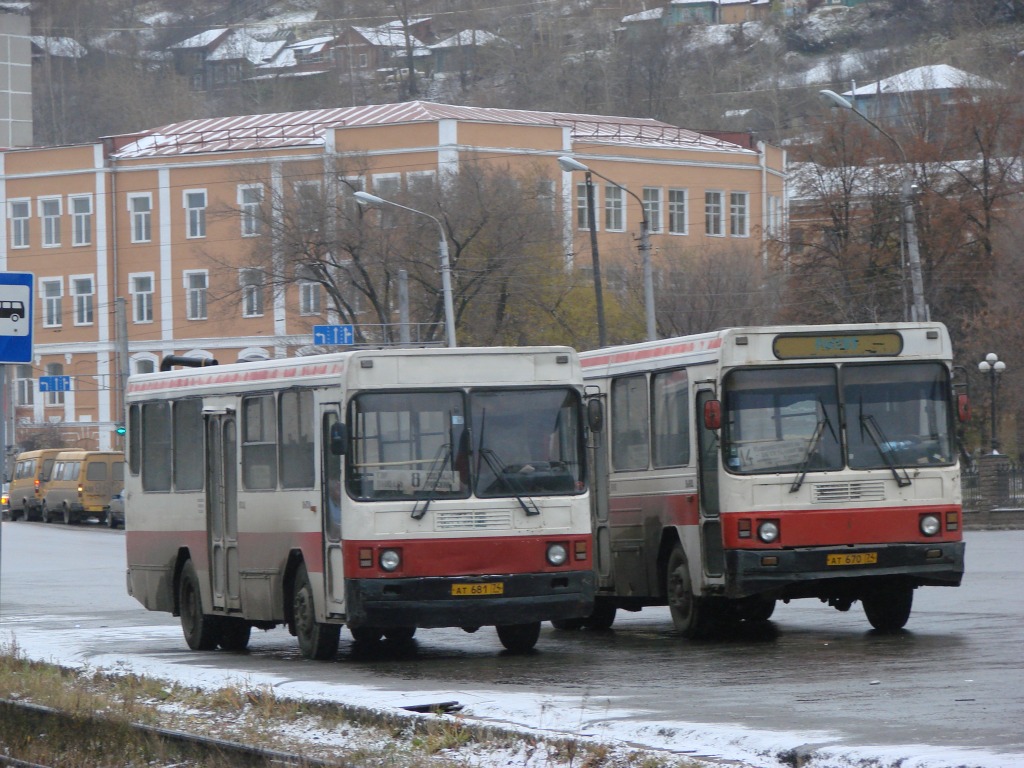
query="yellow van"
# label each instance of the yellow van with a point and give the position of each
(81, 485)
(28, 485)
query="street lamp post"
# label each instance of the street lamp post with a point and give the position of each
(919, 309)
(571, 164)
(365, 198)
(992, 367)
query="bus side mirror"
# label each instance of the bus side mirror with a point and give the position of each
(595, 415)
(713, 414)
(339, 438)
(963, 407)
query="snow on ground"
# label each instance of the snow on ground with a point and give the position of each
(542, 718)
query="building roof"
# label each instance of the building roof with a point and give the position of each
(64, 47)
(308, 128)
(936, 77)
(466, 37)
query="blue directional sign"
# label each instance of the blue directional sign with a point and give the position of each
(16, 317)
(336, 335)
(54, 383)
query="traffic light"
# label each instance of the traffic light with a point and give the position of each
(120, 429)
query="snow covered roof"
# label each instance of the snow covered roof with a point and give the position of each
(203, 39)
(466, 37)
(241, 45)
(936, 77)
(307, 128)
(64, 47)
(652, 15)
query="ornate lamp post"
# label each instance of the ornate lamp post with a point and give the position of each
(992, 367)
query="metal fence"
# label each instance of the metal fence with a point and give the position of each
(1002, 487)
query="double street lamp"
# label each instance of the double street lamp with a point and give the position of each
(571, 164)
(919, 308)
(992, 367)
(365, 198)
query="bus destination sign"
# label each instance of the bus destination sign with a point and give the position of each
(811, 345)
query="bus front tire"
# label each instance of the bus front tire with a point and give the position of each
(889, 609)
(690, 614)
(234, 634)
(200, 629)
(316, 641)
(519, 638)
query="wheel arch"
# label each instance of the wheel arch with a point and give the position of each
(670, 539)
(184, 555)
(291, 567)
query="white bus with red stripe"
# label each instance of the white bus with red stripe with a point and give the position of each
(385, 490)
(752, 465)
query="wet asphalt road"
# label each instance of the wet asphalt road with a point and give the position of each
(953, 677)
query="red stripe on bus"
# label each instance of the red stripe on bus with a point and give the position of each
(840, 527)
(467, 557)
(665, 350)
(211, 377)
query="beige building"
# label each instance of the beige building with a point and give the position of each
(148, 222)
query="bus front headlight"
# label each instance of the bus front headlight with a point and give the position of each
(390, 559)
(557, 554)
(929, 525)
(768, 531)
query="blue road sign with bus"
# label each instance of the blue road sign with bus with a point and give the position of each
(334, 335)
(16, 317)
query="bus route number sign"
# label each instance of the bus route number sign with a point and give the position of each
(16, 317)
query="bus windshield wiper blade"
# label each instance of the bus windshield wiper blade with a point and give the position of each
(884, 448)
(812, 446)
(497, 467)
(435, 469)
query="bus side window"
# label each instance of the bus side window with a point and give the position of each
(671, 420)
(630, 429)
(259, 443)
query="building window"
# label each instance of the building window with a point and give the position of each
(81, 219)
(141, 288)
(250, 198)
(420, 182)
(195, 213)
(310, 206)
(251, 281)
(713, 214)
(82, 289)
(49, 212)
(652, 207)
(614, 208)
(582, 209)
(143, 365)
(388, 187)
(677, 211)
(195, 295)
(25, 384)
(52, 293)
(20, 212)
(141, 209)
(54, 398)
(309, 291)
(738, 216)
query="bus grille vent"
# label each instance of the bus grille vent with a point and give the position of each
(857, 490)
(472, 519)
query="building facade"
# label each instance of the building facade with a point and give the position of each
(132, 239)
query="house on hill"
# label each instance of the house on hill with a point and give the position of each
(890, 99)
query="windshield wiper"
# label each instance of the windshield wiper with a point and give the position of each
(812, 446)
(435, 469)
(498, 468)
(884, 448)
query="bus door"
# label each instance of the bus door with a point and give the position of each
(222, 510)
(597, 450)
(712, 554)
(331, 503)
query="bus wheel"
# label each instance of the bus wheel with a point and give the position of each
(200, 630)
(69, 518)
(567, 625)
(366, 634)
(690, 614)
(316, 641)
(400, 634)
(603, 615)
(519, 638)
(888, 609)
(234, 634)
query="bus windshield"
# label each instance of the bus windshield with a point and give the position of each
(781, 420)
(418, 445)
(897, 413)
(788, 419)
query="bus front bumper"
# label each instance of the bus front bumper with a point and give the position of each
(818, 572)
(469, 602)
